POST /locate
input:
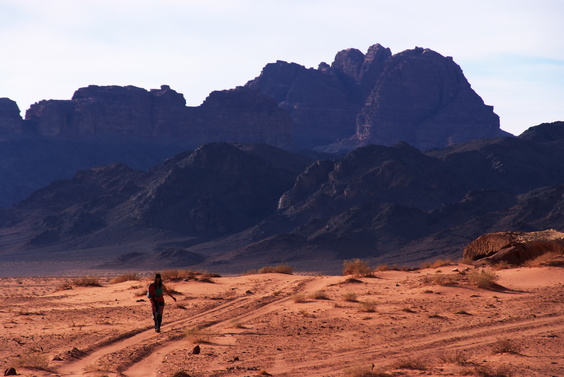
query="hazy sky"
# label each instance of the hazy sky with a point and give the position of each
(511, 51)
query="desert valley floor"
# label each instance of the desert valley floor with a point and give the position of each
(430, 322)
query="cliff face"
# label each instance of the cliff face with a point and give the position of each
(111, 111)
(10, 119)
(424, 99)
(161, 114)
(417, 96)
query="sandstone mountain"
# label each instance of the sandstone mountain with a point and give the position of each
(417, 96)
(231, 207)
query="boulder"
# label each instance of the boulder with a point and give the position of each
(514, 248)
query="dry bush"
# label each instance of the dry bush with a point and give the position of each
(440, 279)
(506, 346)
(237, 325)
(87, 281)
(501, 265)
(438, 263)
(187, 275)
(307, 314)
(33, 360)
(63, 287)
(171, 275)
(551, 258)
(206, 277)
(414, 363)
(382, 267)
(485, 278)
(349, 296)
(457, 357)
(319, 295)
(128, 276)
(357, 267)
(180, 373)
(278, 269)
(361, 371)
(502, 370)
(367, 307)
(195, 335)
(352, 280)
(299, 298)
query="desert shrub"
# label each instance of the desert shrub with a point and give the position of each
(299, 298)
(457, 357)
(485, 278)
(502, 370)
(180, 373)
(367, 307)
(357, 267)
(33, 360)
(438, 263)
(352, 280)
(319, 295)
(171, 275)
(506, 346)
(349, 296)
(307, 314)
(195, 335)
(64, 287)
(415, 363)
(206, 277)
(547, 259)
(128, 276)
(501, 265)
(361, 371)
(440, 279)
(278, 269)
(87, 281)
(382, 267)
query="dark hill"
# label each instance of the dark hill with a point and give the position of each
(231, 207)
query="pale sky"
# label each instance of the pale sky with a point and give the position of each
(511, 51)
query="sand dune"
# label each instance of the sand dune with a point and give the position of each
(431, 322)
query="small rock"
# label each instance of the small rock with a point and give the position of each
(10, 372)
(196, 350)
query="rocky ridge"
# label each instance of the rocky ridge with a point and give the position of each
(231, 207)
(417, 96)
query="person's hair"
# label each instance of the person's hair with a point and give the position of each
(158, 280)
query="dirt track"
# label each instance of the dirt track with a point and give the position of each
(259, 324)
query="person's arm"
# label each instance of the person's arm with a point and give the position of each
(165, 290)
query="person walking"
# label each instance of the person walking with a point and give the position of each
(155, 293)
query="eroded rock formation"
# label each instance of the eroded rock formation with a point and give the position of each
(514, 248)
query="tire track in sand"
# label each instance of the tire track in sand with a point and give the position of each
(138, 354)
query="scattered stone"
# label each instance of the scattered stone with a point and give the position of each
(10, 372)
(196, 350)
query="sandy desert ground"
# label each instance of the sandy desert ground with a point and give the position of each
(431, 322)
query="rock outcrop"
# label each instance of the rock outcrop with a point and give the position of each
(514, 248)
(10, 118)
(424, 99)
(131, 113)
(417, 96)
